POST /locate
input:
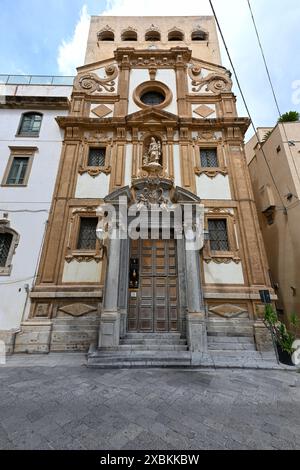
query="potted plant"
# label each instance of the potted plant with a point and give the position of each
(283, 338)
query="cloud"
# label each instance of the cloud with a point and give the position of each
(71, 53)
(239, 34)
(156, 7)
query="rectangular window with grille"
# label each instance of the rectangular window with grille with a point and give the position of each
(218, 235)
(5, 244)
(97, 156)
(18, 169)
(209, 158)
(87, 233)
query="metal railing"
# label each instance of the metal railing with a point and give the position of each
(36, 80)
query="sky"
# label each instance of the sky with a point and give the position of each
(49, 38)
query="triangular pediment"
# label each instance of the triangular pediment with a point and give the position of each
(152, 115)
(114, 197)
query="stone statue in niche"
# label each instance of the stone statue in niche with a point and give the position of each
(153, 157)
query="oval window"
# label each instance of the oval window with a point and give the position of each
(152, 98)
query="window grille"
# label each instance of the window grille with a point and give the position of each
(209, 158)
(218, 235)
(96, 157)
(5, 244)
(87, 233)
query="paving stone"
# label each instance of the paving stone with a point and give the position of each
(54, 406)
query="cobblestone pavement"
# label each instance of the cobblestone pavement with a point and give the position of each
(55, 402)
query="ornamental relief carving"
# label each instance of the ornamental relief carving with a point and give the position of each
(152, 28)
(211, 173)
(129, 28)
(216, 82)
(208, 136)
(85, 258)
(152, 62)
(91, 83)
(93, 172)
(80, 210)
(78, 309)
(107, 28)
(220, 211)
(223, 260)
(96, 137)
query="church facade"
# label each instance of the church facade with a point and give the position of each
(153, 127)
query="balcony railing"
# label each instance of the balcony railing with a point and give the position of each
(36, 80)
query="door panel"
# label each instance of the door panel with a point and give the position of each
(153, 307)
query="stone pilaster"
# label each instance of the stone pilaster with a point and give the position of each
(263, 338)
(196, 322)
(109, 334)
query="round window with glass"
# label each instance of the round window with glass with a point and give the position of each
(152, 94)
(153, 98)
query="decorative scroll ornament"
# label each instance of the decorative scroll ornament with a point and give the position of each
(215, 82)
(91, 83)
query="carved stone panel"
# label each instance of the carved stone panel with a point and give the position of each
(228, 311)
(77, 310)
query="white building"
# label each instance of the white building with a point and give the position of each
(30, 148)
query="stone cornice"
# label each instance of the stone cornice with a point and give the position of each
(143, 58)
(171, 120)
(35, 102)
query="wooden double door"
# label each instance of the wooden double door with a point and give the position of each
(153, 304)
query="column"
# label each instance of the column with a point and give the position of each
(196, 323)
(109, 334)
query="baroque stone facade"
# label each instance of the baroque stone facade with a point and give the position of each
(97, 295)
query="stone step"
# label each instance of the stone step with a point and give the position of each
(154, 336)
(230, 339)
(153, 347)
(138, 359)
(238, 355)
(150, 341)
(233, 332)
(231, 347)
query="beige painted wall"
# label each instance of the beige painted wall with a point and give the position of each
(82, 272)
(230, 273)
(208, 51)
(282, 240)
(90, 187)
